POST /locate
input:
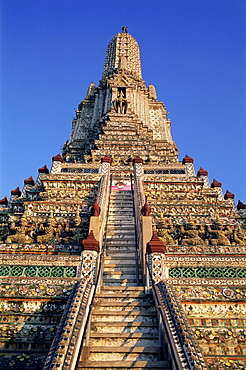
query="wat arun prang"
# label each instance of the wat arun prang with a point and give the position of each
(48, 260)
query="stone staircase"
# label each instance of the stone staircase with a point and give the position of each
(120, 265)
(124, 327)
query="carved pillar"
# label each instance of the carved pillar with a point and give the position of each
(217, 186)
(204, 175)
(188, 161)
(56, 163)
(95, 220)
(16, 193)
(41, 172)
(156, 249)
(90, 248)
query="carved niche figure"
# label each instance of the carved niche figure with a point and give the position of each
(223, 233)
(191, 235)
(217, 234)
(238, 236)
(165, 232)
(4, 232)
(120, 104)
(22, 232)
(76, 234)
(49, 230)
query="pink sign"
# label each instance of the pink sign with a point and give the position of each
(119, 188)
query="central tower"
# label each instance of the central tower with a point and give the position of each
(121, 117)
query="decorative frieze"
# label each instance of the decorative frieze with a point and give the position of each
(36, 288)
(205, 281)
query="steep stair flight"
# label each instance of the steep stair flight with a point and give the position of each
(124, 326)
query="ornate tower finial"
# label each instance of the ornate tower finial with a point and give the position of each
(123, 51)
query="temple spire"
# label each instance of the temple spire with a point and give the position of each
(123, 50)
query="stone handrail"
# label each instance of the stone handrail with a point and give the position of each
(180, 335)
(143, 223)
(66, 345)
(103, 198)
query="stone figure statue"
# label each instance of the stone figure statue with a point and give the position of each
(120, 104)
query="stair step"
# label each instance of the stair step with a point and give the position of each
(120, 243)
(124, 339)
(117, 253)
(114, 251)
(119, 235)
(123, 297)
(124, 335)
(112, 261)
(124, 282)
(140, 289)
(124, 349)
(120, 212)
(125, 327)
(120, 195)
(121, 192)
(123, 316)
(120, 220)
(125, 202)
(120, 267)
(120, 223)
(124, 365)
(118, 203)
(119, 263)
(122, 248)
(126, 270)
(111, 278)
(123, 354)
(120, 309)
(123, 230)
(121, 208)
(130, 305)
(118, 274)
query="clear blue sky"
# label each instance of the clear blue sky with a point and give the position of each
(193, 51)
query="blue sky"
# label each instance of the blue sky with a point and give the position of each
(193, 51)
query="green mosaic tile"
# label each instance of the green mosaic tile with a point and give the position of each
(206, 272)
(38, 271)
